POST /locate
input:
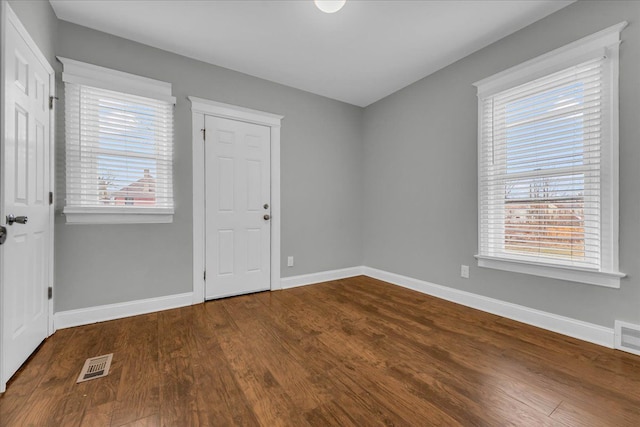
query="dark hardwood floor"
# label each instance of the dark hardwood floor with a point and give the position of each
(354, 352)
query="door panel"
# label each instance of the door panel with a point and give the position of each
(25, 179)
(237, 176)
(226, 184)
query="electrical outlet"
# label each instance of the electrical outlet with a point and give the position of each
(464, 271)
(290, 261)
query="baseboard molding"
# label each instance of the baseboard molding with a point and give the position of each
(86, 316)
(585, 331)
(323, 276)
(563, 325)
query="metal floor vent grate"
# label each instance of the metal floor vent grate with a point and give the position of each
(627, 337)
(95, 367)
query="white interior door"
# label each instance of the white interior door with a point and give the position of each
(25, 162)
(237, 199)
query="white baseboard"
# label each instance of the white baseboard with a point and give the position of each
(563, 325)
(323, 276)
(86, 316)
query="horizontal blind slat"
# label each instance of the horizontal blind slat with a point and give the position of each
(539, 164)
(119, 149)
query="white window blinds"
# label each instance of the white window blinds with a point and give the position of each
(119, 151)
(540, 168)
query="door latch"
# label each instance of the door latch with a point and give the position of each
(3, 234)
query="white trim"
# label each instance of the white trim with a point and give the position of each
(102, 313)
(585, 331)
(8, 16)
(117, 218)
(591, 277)
(33, 46)
(550, 62)
(233, 112)
(560, 324)
(86, 74)
(52, 190)
(118, 215)
(276, 211)
(198, 207)
(82, 154)
(235, 293)
(3, 28)
(605, 43)
(322, 276)
(199, 108)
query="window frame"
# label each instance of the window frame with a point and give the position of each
(605, 42)
(84, 74)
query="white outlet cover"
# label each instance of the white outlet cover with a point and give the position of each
(464, 271)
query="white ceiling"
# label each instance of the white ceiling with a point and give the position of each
(364, 52)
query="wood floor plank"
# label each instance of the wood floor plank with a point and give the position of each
(456, 358)
(600, 415)
(30, 377)
(466, 346)
(220, 399)
(434, 391)
(336, 414)
(270, 402)
(350, 352)
(138, 394)
(150, 421)
(96, 416)
(360, 361)
(350, 385)
(178, 388)
(294, 376)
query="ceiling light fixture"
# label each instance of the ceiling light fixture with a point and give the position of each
(329, 6)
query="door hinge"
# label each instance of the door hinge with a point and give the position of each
(50, 292)
(205, 275)
(50, 197)
(204, 134)
(51, 98)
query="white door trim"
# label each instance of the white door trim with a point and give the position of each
(8, 17)
(199, 108)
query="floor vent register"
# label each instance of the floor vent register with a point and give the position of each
(95, 367)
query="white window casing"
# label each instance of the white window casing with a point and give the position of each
(119, 146)
(548, 164)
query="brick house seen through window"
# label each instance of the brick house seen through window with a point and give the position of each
(139, 193)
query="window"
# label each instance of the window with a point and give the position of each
(119, 146)
(548, 164)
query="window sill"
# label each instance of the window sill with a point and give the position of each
(591, 277)
(124, 215)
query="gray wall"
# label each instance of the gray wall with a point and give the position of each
(321, 170)
(404, 201)
(38, 18)
(421, 173)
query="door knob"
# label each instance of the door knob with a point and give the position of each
(11, 218)
(267, 217)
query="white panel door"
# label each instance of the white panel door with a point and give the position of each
(25, 192)
(237, 198)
